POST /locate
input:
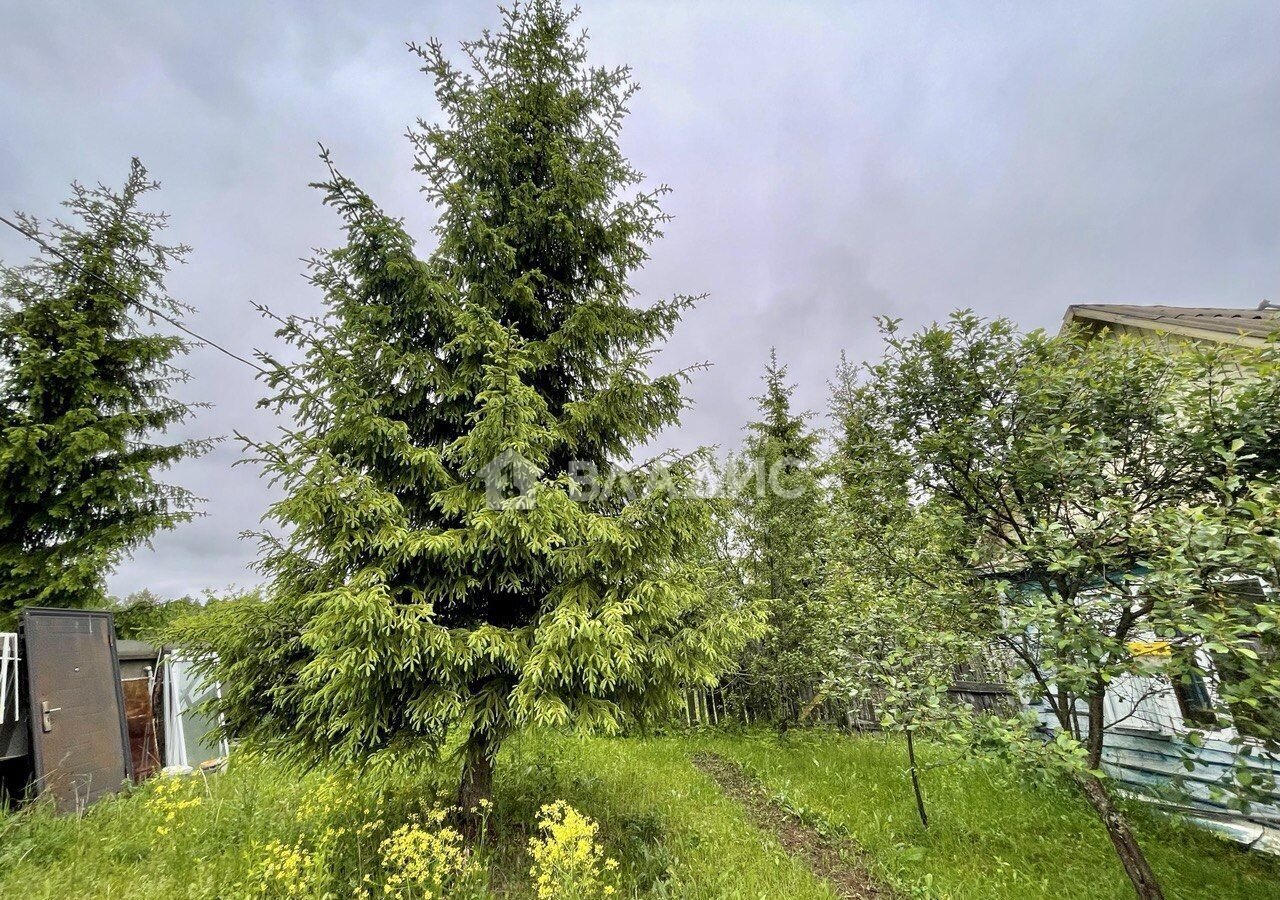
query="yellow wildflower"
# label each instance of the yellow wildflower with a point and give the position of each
(284, 871)
(568, 863)
(168, 798)
(429, 860)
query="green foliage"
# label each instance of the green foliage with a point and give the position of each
(1229, 549)
(772, 520)
(672, 830)
(906, 611)
(1071, 462)
(86, 389)
(905, 615)
(1067, 466)
(441, 565)
(673, 833)
(260, 828)
(145, 616)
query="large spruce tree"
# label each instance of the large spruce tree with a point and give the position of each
(414, 594)
(86, 384)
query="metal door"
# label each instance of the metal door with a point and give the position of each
(79, 740)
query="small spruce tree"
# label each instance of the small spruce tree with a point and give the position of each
(775, 520)
(86, 389)
(455, 561)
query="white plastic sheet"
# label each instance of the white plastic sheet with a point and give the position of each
(190, 733)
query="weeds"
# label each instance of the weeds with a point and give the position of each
(994, 833)
(428, 860)
(267, 831)
(568, 863)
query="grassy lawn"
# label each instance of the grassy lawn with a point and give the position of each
(671, 829)
(992, 834)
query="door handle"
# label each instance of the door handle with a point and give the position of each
(46, 715)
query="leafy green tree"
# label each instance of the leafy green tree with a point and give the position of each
(146, 616)
(1229, 548)
(903, 612)
(459, 558)
(773, 520)
(1069, 461)
(86, 388)
(143, 615)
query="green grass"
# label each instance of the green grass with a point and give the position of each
(117, 849)
(992, 835)
(673, 831)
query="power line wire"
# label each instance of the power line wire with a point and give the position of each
(35, 238)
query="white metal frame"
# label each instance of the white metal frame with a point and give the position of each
(175, 731)
(9, 675)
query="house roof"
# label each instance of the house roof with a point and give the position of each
(129, 649)
(1250, 327)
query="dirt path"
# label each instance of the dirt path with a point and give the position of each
(836, 861)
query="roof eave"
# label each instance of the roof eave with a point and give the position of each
(1088, 313)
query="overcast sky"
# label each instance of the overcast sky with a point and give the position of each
(830, 162)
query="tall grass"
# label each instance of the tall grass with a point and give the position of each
(201, 836)
(994, 833)
(671, 829)
(257, 828)
(261, 829)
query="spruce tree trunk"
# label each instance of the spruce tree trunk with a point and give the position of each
(1145, 885)
(477, 781)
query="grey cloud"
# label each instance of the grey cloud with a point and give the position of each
(830, 161)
